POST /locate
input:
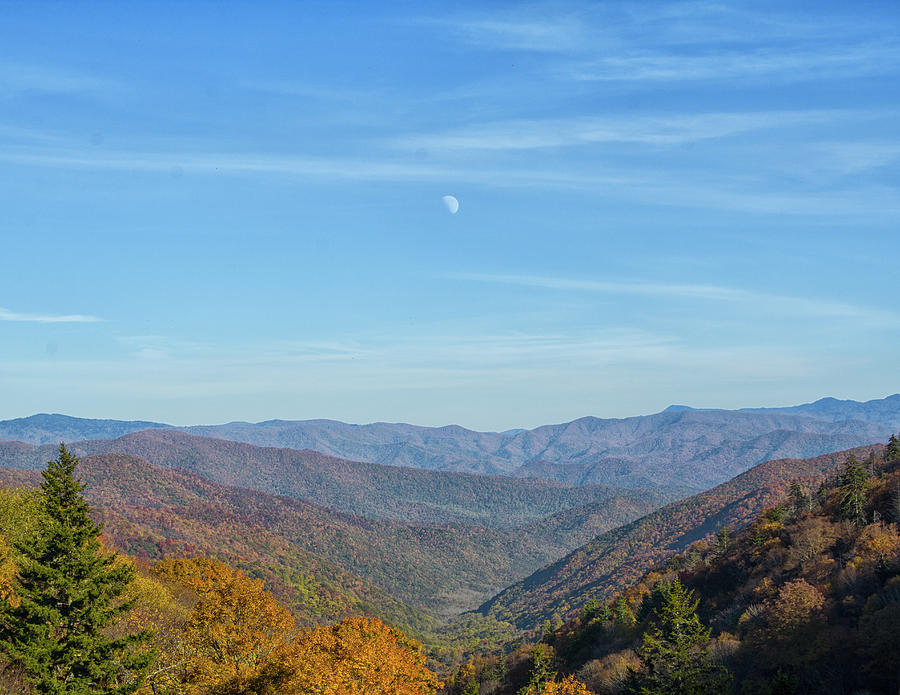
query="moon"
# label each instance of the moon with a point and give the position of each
(451, 203)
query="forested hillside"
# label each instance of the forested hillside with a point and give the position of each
(365, 489)
(75, 617)
(621, 555)
(804, 600)
(297, 546)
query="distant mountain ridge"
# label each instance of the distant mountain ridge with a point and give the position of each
(680, 446)
(45, 428)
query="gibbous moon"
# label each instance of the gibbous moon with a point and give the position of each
(451, 203)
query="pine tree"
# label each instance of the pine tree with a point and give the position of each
(674, 653)
(892, 451)
(798, 501)
(622, 612)
(723, 541)
(541, 674)
(590, 608)
(853, 491)
(69, 591)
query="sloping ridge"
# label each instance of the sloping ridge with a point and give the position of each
(365, 489)
(620, 556)
(442, 568)
(151, 513)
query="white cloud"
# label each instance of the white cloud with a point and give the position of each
(223, 163)
(778, 304)
(654, 130)
(7, 315)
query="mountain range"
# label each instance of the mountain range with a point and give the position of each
(419, 524)
(680, 446)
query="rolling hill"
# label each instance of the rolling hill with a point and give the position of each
(442, 569)
(366, 489)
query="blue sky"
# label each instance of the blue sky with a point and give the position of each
(221, 211)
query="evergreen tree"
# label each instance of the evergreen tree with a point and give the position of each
(853, 491)
(798, 501)
(674, 653)
(605, 614)
(623, 614)
(541, 658)
(69, 590)
(892, 451)
(723, 541)
(590, 608)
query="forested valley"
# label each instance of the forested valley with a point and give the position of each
(798, 596)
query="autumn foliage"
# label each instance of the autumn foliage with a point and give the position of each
(217, 631)
(358, 656)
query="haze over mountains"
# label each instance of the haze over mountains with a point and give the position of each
(679, 447)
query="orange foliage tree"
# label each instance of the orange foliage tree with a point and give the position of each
(233, 630)
(358, 656)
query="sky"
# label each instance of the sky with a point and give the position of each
(234, 211)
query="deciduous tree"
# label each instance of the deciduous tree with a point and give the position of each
(358, 656)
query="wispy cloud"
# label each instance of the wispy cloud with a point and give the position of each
(531, 31)
(7, 315)
(223, 163)
(785, 304)
(22, 78)
(653, 130)
(657, 186)
(689, 40)
(789, 65)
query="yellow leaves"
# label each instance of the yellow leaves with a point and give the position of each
(569, 686)
(235, 626)
(770, 528)
(765, 589)
(879, 544)
(8, 572)
(200, 573)
(359, 656)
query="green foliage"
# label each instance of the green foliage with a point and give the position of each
(853, 491)
(541, 673)
(622, 613)
(892, 450)
(777, 514)
(605, 614)
(590, 609)
(674, 652)
(723, 541)
(68, 591)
